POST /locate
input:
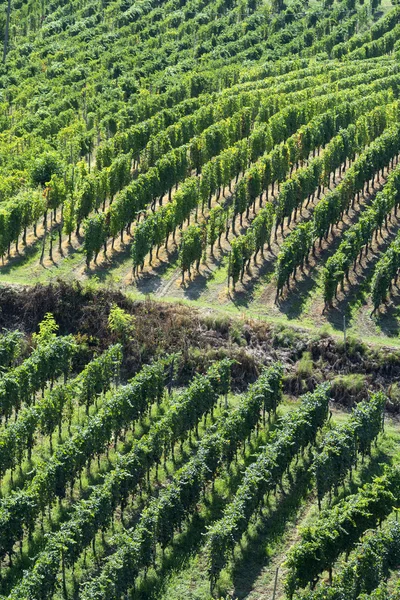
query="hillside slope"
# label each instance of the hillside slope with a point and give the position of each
(175, 164)
(121, 123)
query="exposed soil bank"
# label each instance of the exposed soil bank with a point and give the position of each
(163, 327)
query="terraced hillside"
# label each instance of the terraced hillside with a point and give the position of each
(239, 153)
(209, 191)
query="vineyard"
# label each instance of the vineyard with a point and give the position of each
(240, 153)
(199, 300)
(227, 461)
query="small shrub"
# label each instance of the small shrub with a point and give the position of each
(236, 334)
(394, 397)
(284, 337)
(305, 366)
(353, 346)
(349, 388)
(47, 330)
(219, 323)
(121, 323)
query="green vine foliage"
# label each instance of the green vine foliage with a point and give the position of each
(338, 529)
(360, 236)
(179, 499)
(96, 513)
(19, 510)
(11, 344)
(191, 249)
(191, 194)
(366, 571)
(330, 210)
(295, 432)
(47, 362)
(17, 439)
(337, 452)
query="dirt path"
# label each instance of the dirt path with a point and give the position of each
(264, 585)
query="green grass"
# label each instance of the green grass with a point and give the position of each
(304, 311)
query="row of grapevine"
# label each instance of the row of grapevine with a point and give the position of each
(337, 452)
(156, 228)
(17, 439)
(134, 139)
(306, 181)
(10, 348)
(367, 568)
(295, 432)
(338, 529)
(20, 509)
(274, 167)
(47, 362)
(96, 228)
(360, 236)
(202, 129)
(95, 513)
(185, 88)
(191, 114)
(330, 210)
(385, 272)
(172, 165)
(92, 190)
(216, 173)
(136, 547)
(384, 25)
(383, 45)
(271, 168)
